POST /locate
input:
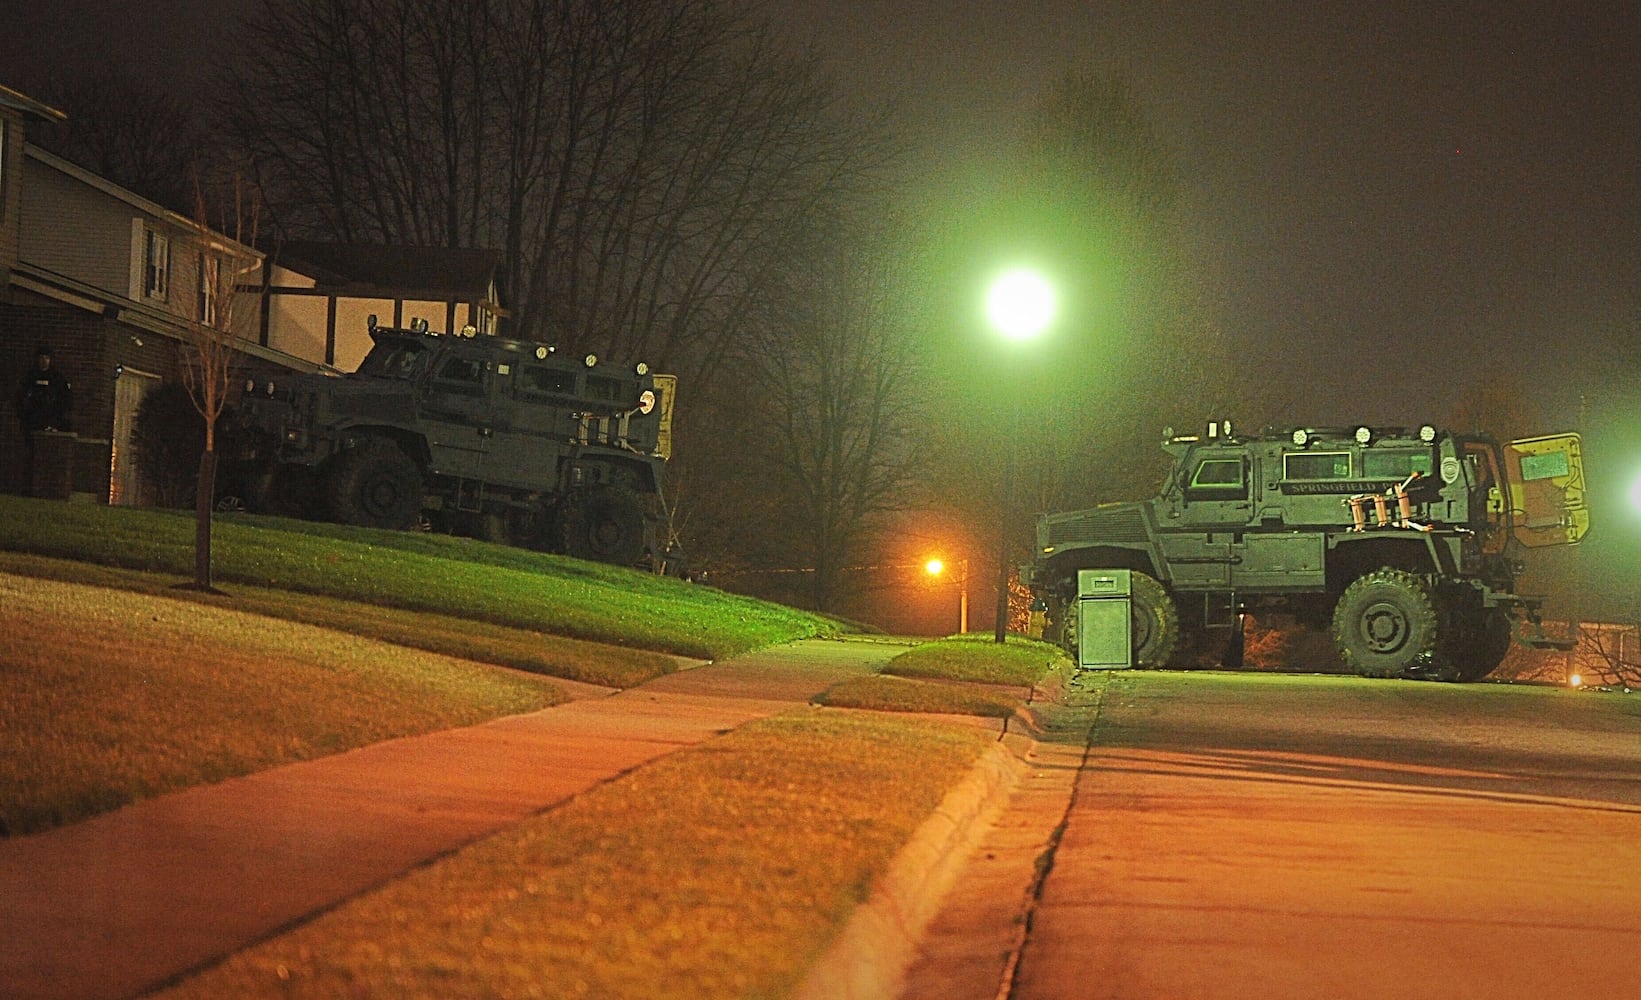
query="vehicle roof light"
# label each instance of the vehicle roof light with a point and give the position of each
(1427, 433)
(1301, 436)
(1363, 435)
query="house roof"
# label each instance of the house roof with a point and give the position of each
(439, 273)
(29, 106)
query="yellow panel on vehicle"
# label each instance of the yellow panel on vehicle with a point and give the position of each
(1547, 490)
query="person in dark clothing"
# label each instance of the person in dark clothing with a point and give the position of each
(45, 400)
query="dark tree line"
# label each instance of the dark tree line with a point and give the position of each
(640, 163)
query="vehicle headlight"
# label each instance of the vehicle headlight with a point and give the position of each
(646, 401)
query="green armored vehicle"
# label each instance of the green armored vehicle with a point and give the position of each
(501, 439)
(1406, 542)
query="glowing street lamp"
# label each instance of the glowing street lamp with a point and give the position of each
(935, 567)
(1020, 304)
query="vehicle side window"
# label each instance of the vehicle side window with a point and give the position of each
(539, 381)
(459, 374)
(1316, 465)
(1395, 464)
(605, 390)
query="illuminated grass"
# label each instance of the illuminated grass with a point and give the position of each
(108, 697)
(896, 694)
(457, 577)
(721, 871)
(978, 658)
(537, 652)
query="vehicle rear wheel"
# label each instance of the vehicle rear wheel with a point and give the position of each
(376, 485)
(1386, 625)
(1481, 641)
(604, 524)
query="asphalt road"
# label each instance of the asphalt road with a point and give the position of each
(1237, 836)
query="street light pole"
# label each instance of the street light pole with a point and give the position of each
(1003, 546)
(935, 567)
(1020, 304)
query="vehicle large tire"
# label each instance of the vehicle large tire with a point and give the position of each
(283, 490)
(376, 485)
(1065, 630)
(1154, 622)
(1386, 625)
(1482, 638)
(604, 524)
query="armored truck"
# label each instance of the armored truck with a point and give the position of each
(1406, 542)
(502, 439)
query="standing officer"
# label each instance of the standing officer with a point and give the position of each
(44, 398)
(44, 403)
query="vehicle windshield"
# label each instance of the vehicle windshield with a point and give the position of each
(394, 359)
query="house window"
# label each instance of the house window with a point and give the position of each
(156, 265)
(209, 270)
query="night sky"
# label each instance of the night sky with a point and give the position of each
(1397, 195)
(1403, 194)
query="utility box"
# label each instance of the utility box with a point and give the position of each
(1104, 640)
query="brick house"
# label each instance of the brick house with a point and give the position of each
(109, 281)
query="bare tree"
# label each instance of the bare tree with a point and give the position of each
(637, 161)
(832, 390)
(1613, 649)
(127, 130)
(209, 349)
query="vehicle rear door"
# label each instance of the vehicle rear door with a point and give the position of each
(1546, 484)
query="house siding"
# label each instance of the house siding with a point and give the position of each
(72, 229)
(11, 190)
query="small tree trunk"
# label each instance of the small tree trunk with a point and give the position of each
(204, 499)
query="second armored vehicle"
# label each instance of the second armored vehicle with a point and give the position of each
(1406, 542)
(502, 439)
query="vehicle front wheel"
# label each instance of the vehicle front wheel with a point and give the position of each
(604, 524)
(1386, 625)
(376, 485)
(1153, 624)
(1154, 620)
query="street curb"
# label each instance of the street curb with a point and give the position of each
(869, 959)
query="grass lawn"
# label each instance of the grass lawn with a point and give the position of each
(523, 649)
(109, 696)
(437, 574)
(978, 658)
(721, 871)
(965, 675)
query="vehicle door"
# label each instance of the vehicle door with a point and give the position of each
(1546, 490)
(1213, 508)
(540, 427)
(455, 414)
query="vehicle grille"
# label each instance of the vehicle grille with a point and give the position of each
(1125, 524)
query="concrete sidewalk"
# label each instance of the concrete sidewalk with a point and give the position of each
(115, 905)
